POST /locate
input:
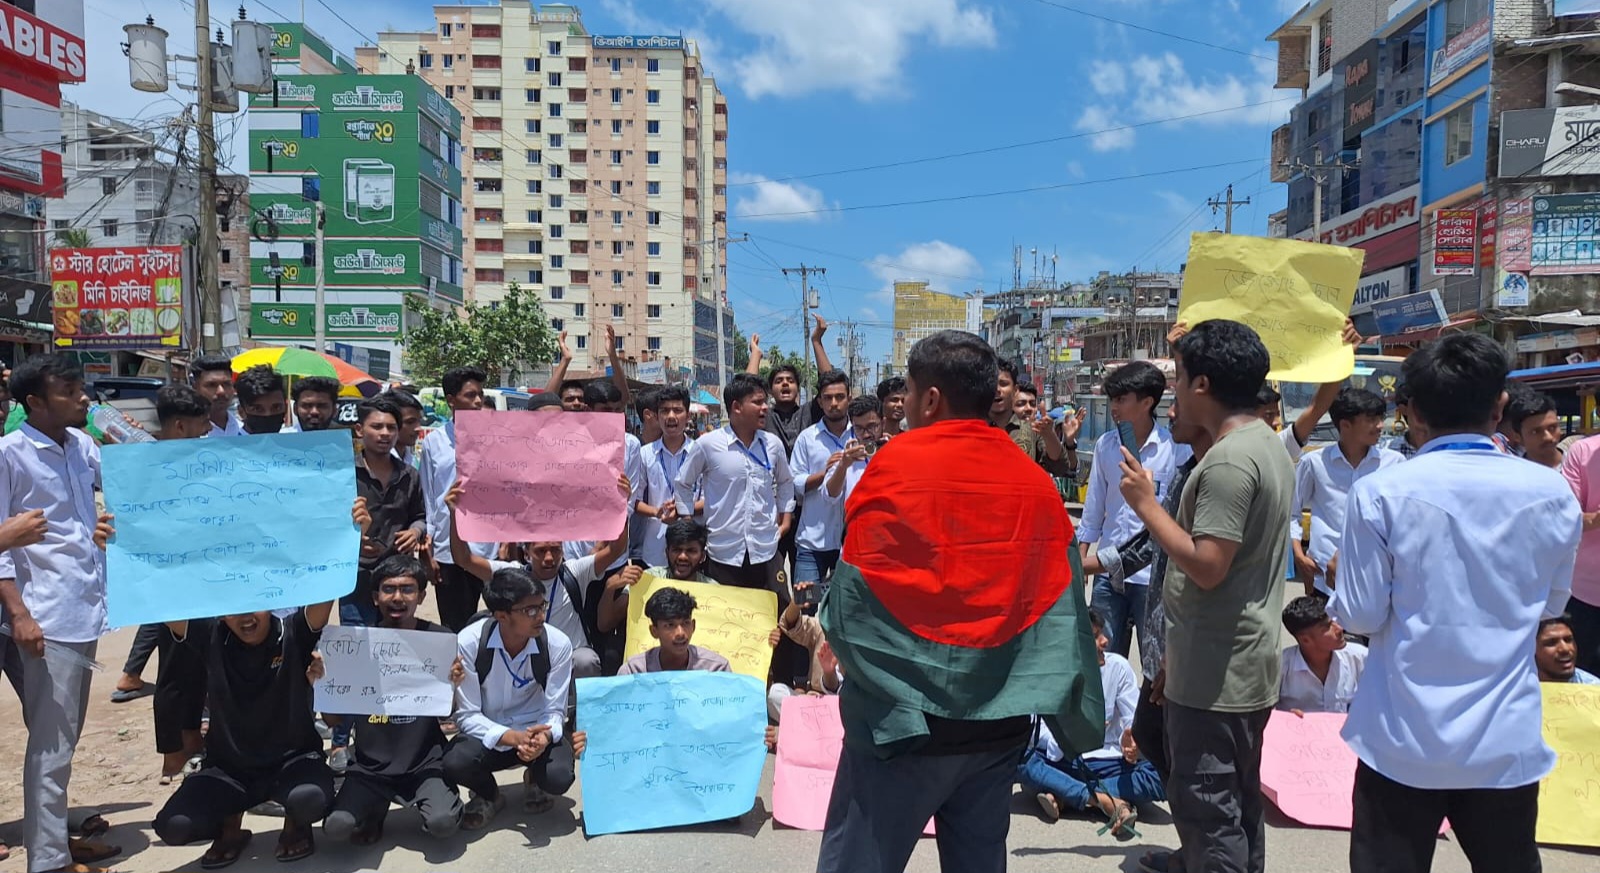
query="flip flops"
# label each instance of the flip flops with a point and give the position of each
(86, 823)
(481, 811)
(224, 854)
(87, 851)
(292, 849)
(121, 696)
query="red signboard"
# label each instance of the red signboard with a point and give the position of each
(1455, 242)
(55, 52)
(118, 298)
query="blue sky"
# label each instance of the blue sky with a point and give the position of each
(822, 87)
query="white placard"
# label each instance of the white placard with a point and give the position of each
(380, 671)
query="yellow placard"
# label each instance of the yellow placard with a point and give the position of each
(736, 623)
(1294, 294)
(1569, 798)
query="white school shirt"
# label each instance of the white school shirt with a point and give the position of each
(1322, 481)
(234, 428)
(1121, 690)
(562, 613)
(851, 477)
(745, 490)
(1301, 689)
(62, 579)
(508, 699)
(1107, 519)
(661, 466)
(1448, 562)
(438, 469)
(821, 525)
(633, 468)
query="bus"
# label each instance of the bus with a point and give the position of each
(1572, 386)
(1379, 374)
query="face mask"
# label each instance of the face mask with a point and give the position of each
(256, 424)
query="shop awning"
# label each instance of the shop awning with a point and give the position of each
(1432, 333)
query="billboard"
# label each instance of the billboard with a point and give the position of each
(1455, 242)
(1360, 72)
(1379, 287)
(1566, 234)
(367, 263)
(51, 48)
(344, 320)
(1410, 312)
(636, 42)
(1466, 47)
(1559, 141)
(118, 298)
(1577, 7)
(1513, 253)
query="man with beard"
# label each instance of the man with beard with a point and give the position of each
(817, 450)
(1037, 439)
(314, 399)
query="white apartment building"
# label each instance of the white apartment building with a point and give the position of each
(123, 182)
(596, 175)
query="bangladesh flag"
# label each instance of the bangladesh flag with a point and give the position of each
(959, 594)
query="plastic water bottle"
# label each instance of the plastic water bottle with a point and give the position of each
(116, 428)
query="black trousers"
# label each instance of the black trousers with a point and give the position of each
(363, 803)
(791, 663)
(1396, 826)
(180, 699)
(457, 593)
(470, 764)
(145, 643)
(1150, 732)
(1586, 633)
(1214, 789)
(207, 799)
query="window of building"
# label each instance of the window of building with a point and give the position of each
(553, 47)
(616, 312)
(616, 187)
(653, 279)
(652, 343)
(580, 277)
(555, 80)
(616, 126)
(554, 110)
(652, 96)
(616, 96)
(616, 247)
(557, 292)
(583, 338)
(1325, 43)
(653, 310)
(486, 93)
(535, 246)
(485, 122)
(616, 65)
(1458, 134)
(486, 62)
(535, 216)
(108, 226)
(578, 156)
(616, 277)
(652, 218)
(59, 224)
(579, 186)
(652, 128)
(556, 231)
(555, 201)
(652, 158)
(555, 171)
(108, 185)
(486, 186)
(652, 188)
(449, 92)
(485, 274)
(558, 262)
(535, 277)
(652, 65)
(619, 341)
(555, 140)
(485, 31)
(579, 216)
(227, 256)
(531, 95)
(535, 156)
(1460, 15)
(449, 61)
(530, 64)
(535, 186)
(445, 28)
(494, 215)
(616, 156)
(616, 218)
(652, 249)
(577, 312)
(556, 323)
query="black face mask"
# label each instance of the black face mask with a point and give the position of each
(258, 424)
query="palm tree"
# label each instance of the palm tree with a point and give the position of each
(71, 238)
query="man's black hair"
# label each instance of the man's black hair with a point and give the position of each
(457, 379)
(1402, 394)
(508, 586)
(684, 531)
(1026, 387)
(672, 394)
(741, 387)
(963, 368)
(1268, 395)
(379, 404)
(29, 377)
(1139, 378)
(256, 383)
(180, 401)
(210, 364)
(1096, 620)
(669, 604)
(647, 400)
(833, 377)
(1354, 402)
(1564, 620)
(890, 386)
(402, 399)
(1456, 382)
(570, 385)
(791, 369)
(1304, 613)
(316, 385)
(1003, 365)
(601, 391)
(865, 404)
(1524, 405)
(1231, 357)
(397, 566)
(543, 400)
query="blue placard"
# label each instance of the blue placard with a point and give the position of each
(1408, 312)
(670, 748)
(222, 526)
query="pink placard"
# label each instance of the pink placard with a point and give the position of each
(810, 737)
(1308, 771)
(539, 476)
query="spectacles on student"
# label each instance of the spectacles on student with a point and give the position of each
(531, 611)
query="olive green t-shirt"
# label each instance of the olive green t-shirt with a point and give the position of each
(1222, 644)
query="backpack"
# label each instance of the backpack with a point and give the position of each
(484, 662)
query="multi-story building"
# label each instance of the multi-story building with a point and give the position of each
(920, 311)
(233, 255)
(125, 185)
(596, 174)
(30, 159)
(375, 159)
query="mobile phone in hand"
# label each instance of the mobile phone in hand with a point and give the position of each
(808, 594)
(1129, 441)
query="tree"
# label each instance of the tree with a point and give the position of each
(514, 334)
(741, 351)
(71, 238)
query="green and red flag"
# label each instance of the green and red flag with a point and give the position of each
(958, 594)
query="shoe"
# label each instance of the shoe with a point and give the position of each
(339, 760)
(1048, 803)
(270, 808)
(479, 812)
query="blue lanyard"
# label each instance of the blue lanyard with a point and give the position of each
(765, 461)
(516, 680)
(1460, 447)
(822, 428)
(672, 477)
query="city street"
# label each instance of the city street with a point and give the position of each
(117, 769)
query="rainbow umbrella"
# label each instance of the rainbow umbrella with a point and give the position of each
(299, 363)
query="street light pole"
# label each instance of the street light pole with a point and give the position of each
(207, 244)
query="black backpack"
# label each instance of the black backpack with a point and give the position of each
(539, 660)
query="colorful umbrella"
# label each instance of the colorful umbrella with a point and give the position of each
(288, 361)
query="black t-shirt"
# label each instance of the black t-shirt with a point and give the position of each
(260, 701)
(399, 746)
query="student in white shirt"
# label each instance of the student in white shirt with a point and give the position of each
(1321, 671)
(458, 591)
(1135, 390)
(661, 460)
(263, 403)
(511, 706)
(1448, 562)
(212, 376)
(1323, 480)
(866, 423)
(820, 446)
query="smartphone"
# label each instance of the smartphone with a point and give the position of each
(808, 595)
(1129, 441)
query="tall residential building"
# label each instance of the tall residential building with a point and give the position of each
(125, 185)
(919, 312)
(596, 174)
(379, 156)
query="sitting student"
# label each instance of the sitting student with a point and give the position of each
(1321, 671)
(518, 672)
(671, 614)
(397, 758)
(1556, 655)
(1112, 777)
(806, 631)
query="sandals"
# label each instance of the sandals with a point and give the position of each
(88, 851)
(535, 800)
(129, 696)
(368, 835)
(480, 811)
(292, 849)
(92, 824)
(224, 852)
(1120, 815)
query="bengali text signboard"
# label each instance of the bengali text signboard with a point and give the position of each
(118, 298)
(386, 671)
(539, 476)
(736, 623)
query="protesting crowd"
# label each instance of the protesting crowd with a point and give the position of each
(926, 572)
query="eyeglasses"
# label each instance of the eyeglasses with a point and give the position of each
(406, 590)
(531, 611)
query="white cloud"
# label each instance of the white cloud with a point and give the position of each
(1152, 87)
(1176, 203)
(768, 200)
(943, 266)
(824, 45)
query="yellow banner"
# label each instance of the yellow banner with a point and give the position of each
(1294, 294)
(1569, 798)
(736, 623)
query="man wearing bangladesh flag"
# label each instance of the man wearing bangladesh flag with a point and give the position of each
(956, 612)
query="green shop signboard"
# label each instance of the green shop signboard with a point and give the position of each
(380, 263)
(344, 320)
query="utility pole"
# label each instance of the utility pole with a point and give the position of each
(806, 305)
(722, 303)
(207, 244)
(1318, 171)
(1228, 205)
(320, 312)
